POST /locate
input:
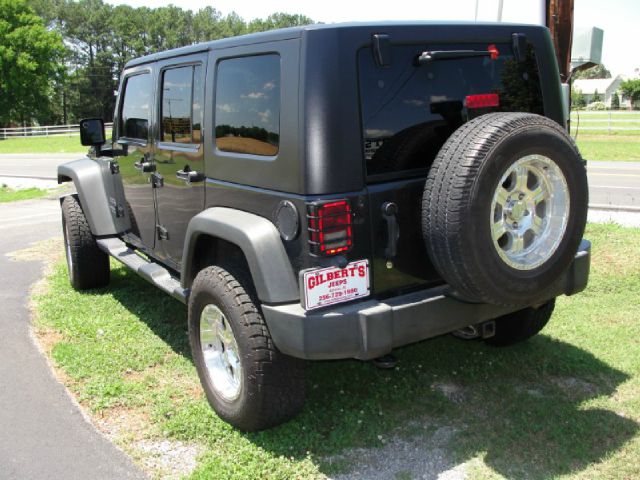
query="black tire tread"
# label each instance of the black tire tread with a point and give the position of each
(276, 381)
(90, 264)
(448, 194)
(519, 326)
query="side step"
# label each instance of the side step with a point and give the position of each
(150, 271)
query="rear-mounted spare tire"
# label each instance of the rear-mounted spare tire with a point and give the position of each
(504, 208)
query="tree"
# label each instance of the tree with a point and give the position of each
(631, 90)
(102, 38)
(577, 98)
(615, 101)
(596, 96)
(30, 61)
(597, 71)
(278, 20)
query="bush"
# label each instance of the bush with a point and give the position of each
(615, 101)
(596, 106)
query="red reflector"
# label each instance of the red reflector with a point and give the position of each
(330, 229)
(483, 100)
(493, 51)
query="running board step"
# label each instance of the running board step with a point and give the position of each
(150, 271)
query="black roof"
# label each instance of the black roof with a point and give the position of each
(296, 32)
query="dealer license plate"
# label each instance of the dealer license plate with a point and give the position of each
(328, 286)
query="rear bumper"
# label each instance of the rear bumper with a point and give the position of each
(371, 328)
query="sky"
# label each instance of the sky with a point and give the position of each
(618, 18)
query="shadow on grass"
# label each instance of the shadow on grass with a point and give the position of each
(521, 408)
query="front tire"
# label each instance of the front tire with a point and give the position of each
(88, 265)
(247, 381)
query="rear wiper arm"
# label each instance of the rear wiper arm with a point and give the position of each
(433, 55)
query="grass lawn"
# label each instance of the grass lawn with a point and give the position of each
(53, 144)
(624, 148)
(566, 403)
(9, 195)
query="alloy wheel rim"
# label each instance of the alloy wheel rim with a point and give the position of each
(529, 212)
(220, 352)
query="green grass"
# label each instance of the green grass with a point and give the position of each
(605, 144)
(53, 144)
(9, 195)
(564, 404)
(609, 147)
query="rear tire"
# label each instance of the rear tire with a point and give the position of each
(519, 326)
(504, 208)
(247, 381)
(88, 265)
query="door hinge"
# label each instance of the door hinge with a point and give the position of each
(163, 233)
(157, 180)
(114, 167)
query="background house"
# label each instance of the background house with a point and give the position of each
(606, 88)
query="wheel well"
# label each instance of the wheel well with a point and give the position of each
(64, 179)
(210, 250)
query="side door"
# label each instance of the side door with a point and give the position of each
(179, 156)
(133, 132)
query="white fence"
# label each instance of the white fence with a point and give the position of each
(43, 131)
(610, 120)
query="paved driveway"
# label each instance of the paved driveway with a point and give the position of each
(43, 434)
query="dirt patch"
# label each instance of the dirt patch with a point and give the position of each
(48, 251)
(159, 457)
(167, 459)
(575, 387)
(454, 393)
(423, 457)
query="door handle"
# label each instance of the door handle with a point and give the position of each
(389, 210)
(144, 166)
(190, 176)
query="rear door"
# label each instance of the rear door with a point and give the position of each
(133, 133)
(408, 112)
(179, 156)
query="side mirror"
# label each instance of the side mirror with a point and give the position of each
(92, 132)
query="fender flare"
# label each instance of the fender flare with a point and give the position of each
(260, 242)
(87, 176)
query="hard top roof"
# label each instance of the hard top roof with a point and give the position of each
(296, 32)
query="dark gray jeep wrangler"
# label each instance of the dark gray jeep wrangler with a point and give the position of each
(333, 192)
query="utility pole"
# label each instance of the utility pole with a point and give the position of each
(560, 23)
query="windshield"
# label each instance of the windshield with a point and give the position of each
(409, 111)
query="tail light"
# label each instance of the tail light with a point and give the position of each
(484, 100)
(330, 227)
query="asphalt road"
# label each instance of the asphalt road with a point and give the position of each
(43, 434)
(34, 165)
(614, 183)
(610, 183)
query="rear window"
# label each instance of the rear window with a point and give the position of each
(409, 111)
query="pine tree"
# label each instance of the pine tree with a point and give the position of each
(596, 96)
(615, 101)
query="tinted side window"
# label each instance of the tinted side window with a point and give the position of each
(248, 105)
(136, 107)
(198, 104)
(176, 105)
(409, 111)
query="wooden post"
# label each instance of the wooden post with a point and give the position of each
(560, 23)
